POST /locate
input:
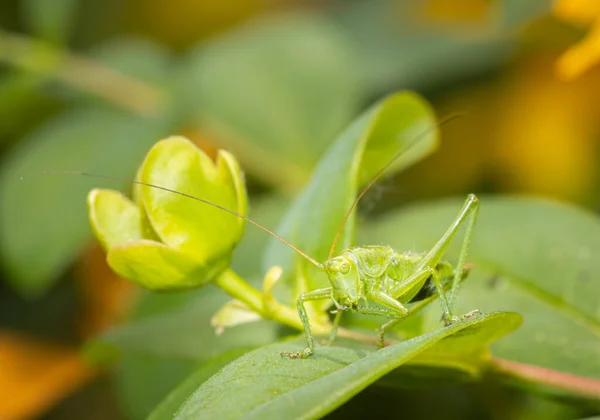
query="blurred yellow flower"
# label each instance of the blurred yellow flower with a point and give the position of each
(545, 137)
(585, 54)
(525, 132)
(577, 11)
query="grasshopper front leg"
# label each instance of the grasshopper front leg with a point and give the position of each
(396, 316)
(318, 294)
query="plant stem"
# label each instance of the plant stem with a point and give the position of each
(85, 74)
(238, 289)
(566, 382)
(353, 335)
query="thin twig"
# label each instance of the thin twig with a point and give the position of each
(574, 384)
(369, 339)
(91, 76)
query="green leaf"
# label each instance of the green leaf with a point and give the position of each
(267, 385)
(51, 211)
(169, 406)
(232, 314)
(532, 256)
(167, 336)
(156, 266)
(401, 122)
(276, 90)
(400, 46)
(114, 218)
(180, 330)
(144, 379)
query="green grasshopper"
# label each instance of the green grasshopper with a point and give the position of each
(365, 275)
(390, 279)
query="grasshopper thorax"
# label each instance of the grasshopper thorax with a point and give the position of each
(345, 280)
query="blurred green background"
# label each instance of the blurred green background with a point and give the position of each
(90, 86)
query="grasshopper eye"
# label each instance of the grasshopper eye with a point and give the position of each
(344, 267)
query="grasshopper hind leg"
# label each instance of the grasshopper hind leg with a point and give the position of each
(433, 285)
(436, 270)
(468, 213)
(391, 324)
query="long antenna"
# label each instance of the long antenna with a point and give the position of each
(202, 200)
(380, 173)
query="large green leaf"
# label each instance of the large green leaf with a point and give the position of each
(265, 385)
(401, 122)
(169, 406)
(532, 256)
(181, 329)
(277, 90)
(400, 44)
(43, 222)
(142, 380)
(169, 337)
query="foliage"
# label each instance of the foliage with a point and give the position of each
(278, 89)
(457, 353)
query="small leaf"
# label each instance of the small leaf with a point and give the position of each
(267, 385)
(114, 218)
(231, 314)
(156, 266)
(270, 280)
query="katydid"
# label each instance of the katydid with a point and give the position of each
(390, 279)
(364, 275)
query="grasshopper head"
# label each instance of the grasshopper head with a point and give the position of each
(343, 276)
